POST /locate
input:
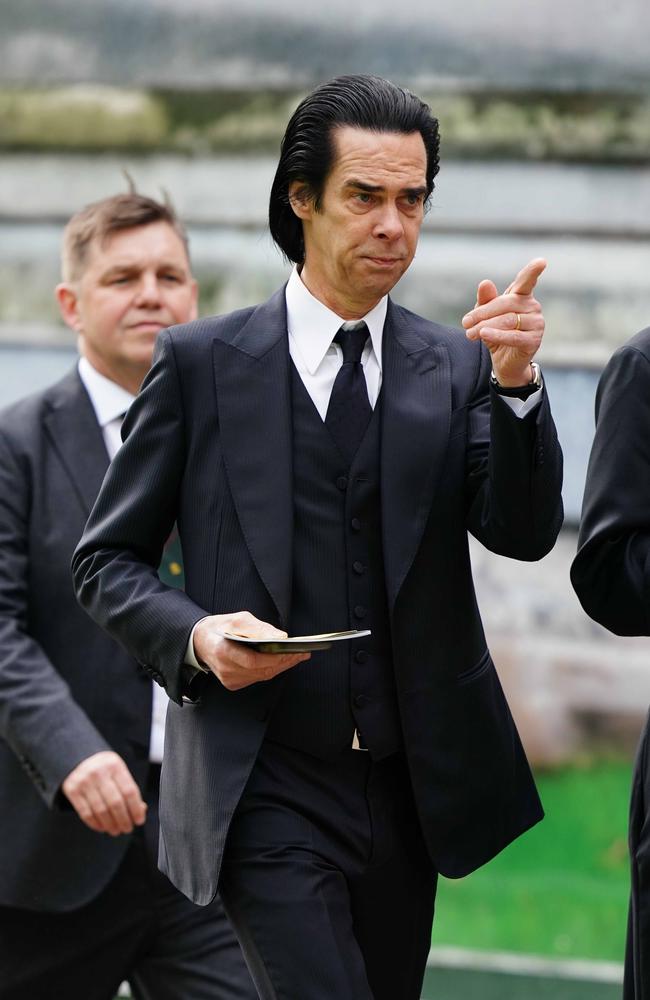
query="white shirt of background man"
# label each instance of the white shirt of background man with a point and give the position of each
(110, 402)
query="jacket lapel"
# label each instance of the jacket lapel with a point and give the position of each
(77, 437)
(416, 410)
(254, 407)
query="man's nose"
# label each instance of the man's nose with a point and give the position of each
(148, 291)
(389, 225)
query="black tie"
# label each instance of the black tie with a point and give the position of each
(349, 410)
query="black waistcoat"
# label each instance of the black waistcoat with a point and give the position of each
(338, 583)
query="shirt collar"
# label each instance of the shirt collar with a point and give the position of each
(109, 399)
(312, 326)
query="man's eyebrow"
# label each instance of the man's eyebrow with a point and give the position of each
(362, 186)
(129, 267)
(372, 188)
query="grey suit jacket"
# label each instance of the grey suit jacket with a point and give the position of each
(209, 444)
(66, 689)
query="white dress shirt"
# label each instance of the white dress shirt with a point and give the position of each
(110, 402)
(312, 328)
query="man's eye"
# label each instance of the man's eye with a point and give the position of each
(364, 197)
(173, 278)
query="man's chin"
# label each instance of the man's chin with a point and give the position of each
(383, 270)
(380, 281)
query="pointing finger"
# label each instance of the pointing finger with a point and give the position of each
(527, 278)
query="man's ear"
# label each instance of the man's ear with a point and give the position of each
(300, 199)
(68, 302)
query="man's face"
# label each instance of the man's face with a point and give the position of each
(363, 238)
(134, 285)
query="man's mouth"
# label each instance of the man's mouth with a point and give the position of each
(383, 261)
(147, 324)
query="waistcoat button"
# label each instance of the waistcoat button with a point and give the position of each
(342, 482)
(359, 611)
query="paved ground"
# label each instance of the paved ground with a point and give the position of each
(460, 974)
(456, 984)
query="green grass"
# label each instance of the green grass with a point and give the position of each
(561, 889)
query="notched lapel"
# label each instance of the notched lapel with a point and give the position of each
(416, 410)
(254, 408)
(77, 438)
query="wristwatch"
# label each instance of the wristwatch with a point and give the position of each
(519, 391)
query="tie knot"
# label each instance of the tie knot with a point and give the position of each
(352, 338)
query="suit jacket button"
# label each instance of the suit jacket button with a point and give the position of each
(359, 611)
(355, 524)
(342, 482)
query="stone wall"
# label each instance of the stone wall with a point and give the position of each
(574, 688)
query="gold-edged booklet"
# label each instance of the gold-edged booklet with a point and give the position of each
(296, 643)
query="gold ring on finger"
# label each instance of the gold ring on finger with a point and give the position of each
(518, 323)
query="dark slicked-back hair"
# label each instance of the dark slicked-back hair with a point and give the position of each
(307, 151)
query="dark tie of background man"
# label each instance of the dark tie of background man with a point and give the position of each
(349, 410)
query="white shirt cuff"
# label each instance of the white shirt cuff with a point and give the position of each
(190, 655)
(522, 407)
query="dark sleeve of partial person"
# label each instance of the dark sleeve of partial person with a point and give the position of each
(115, 566)
(39, 718)
(611, 572)
(514, 474)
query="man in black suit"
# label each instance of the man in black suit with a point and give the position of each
(611, 576)
(82, 904)
(324, 454)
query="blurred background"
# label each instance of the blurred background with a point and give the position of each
(545, 122)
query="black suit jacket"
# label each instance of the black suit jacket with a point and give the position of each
(611, 576)
(209, 443)
(66, 689)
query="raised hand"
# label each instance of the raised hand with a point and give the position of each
(511, 325)
(235, 665)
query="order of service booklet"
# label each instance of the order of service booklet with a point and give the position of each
(296, 643)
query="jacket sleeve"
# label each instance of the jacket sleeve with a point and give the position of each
(611, 571)
(115, 566)
(514, 473)
(39, 718)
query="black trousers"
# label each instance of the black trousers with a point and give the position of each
(637, 949)
(140, 928)
(326, 878)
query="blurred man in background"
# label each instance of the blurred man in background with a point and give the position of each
(82, 903)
